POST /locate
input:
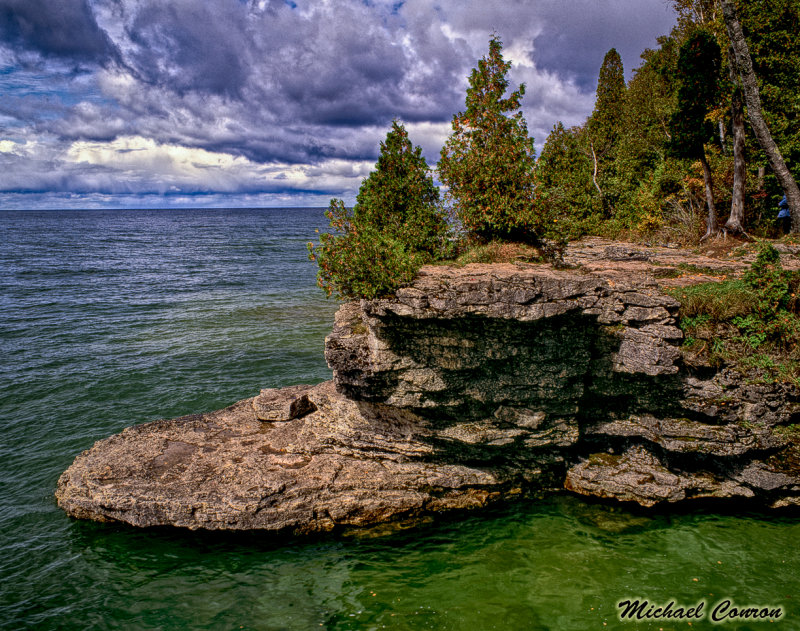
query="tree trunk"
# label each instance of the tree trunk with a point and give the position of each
(735, 223)
(744, 65)
(712, 225)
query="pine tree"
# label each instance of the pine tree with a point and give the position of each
(488, 161)
(564, 178)
(609, 102)
(396, 225)
(603, 128)
(399, 197)
(698, 80)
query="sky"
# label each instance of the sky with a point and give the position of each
(269, 103)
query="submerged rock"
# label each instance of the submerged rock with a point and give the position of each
(473, 385)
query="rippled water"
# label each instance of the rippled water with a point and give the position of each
(113, 318)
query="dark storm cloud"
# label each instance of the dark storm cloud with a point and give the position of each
(305, 84)
(191, 46)
(64, 29)
(334, 63)
(270, 82)
(575, 47)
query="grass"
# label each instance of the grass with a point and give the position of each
(713, 303)
(751, 324)
(497, 252)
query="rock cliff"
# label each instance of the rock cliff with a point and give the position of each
(473, 385)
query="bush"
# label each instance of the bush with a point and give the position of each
(736, 317)
(362, 261)
(774, 317)
(396, 225)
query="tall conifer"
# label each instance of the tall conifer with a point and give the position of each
(603, 128)
(488, 160)
(698, 88)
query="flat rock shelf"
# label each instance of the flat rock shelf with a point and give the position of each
(474, 385)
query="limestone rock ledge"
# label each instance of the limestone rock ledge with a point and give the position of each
(343, 464)
(473, 385)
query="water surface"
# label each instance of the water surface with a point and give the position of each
(108, 319)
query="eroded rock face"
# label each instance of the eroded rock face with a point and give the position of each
(639, 476)
(473, 385)
(581, 363)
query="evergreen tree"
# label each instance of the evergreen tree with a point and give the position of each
(395, 227)
(603, 128)
(698, 79)
(649, 104)
(399, 197)
(604, 123)
(488, 160)
(564, 178)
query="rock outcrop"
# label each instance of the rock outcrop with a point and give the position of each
(473, 385)
(344, 464)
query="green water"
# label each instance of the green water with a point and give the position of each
(113, 318)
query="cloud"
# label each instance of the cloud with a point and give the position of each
(62, 29)
(575, 49)
(275, 97)
(137, 165)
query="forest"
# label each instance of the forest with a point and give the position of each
(672, 155)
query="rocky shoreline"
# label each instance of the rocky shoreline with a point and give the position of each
(477, 384)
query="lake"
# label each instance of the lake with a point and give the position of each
(112, 318)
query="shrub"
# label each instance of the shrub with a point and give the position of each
(362, 261)
(774, 317)
(757, 312)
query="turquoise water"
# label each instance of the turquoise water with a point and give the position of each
(113, 318)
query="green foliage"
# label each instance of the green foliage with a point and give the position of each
(576, 172)
(487, 162)
(361, 261)
(399, 197)
(698, 88)
(604, 126)
(772, 31)
(734, 318)
(714, 302)
(564, 176)
(774, 316)
(651, 182)
(603, 129)
(396, 226)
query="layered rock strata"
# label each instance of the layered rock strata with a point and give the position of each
(473, 385)
(345, 463)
